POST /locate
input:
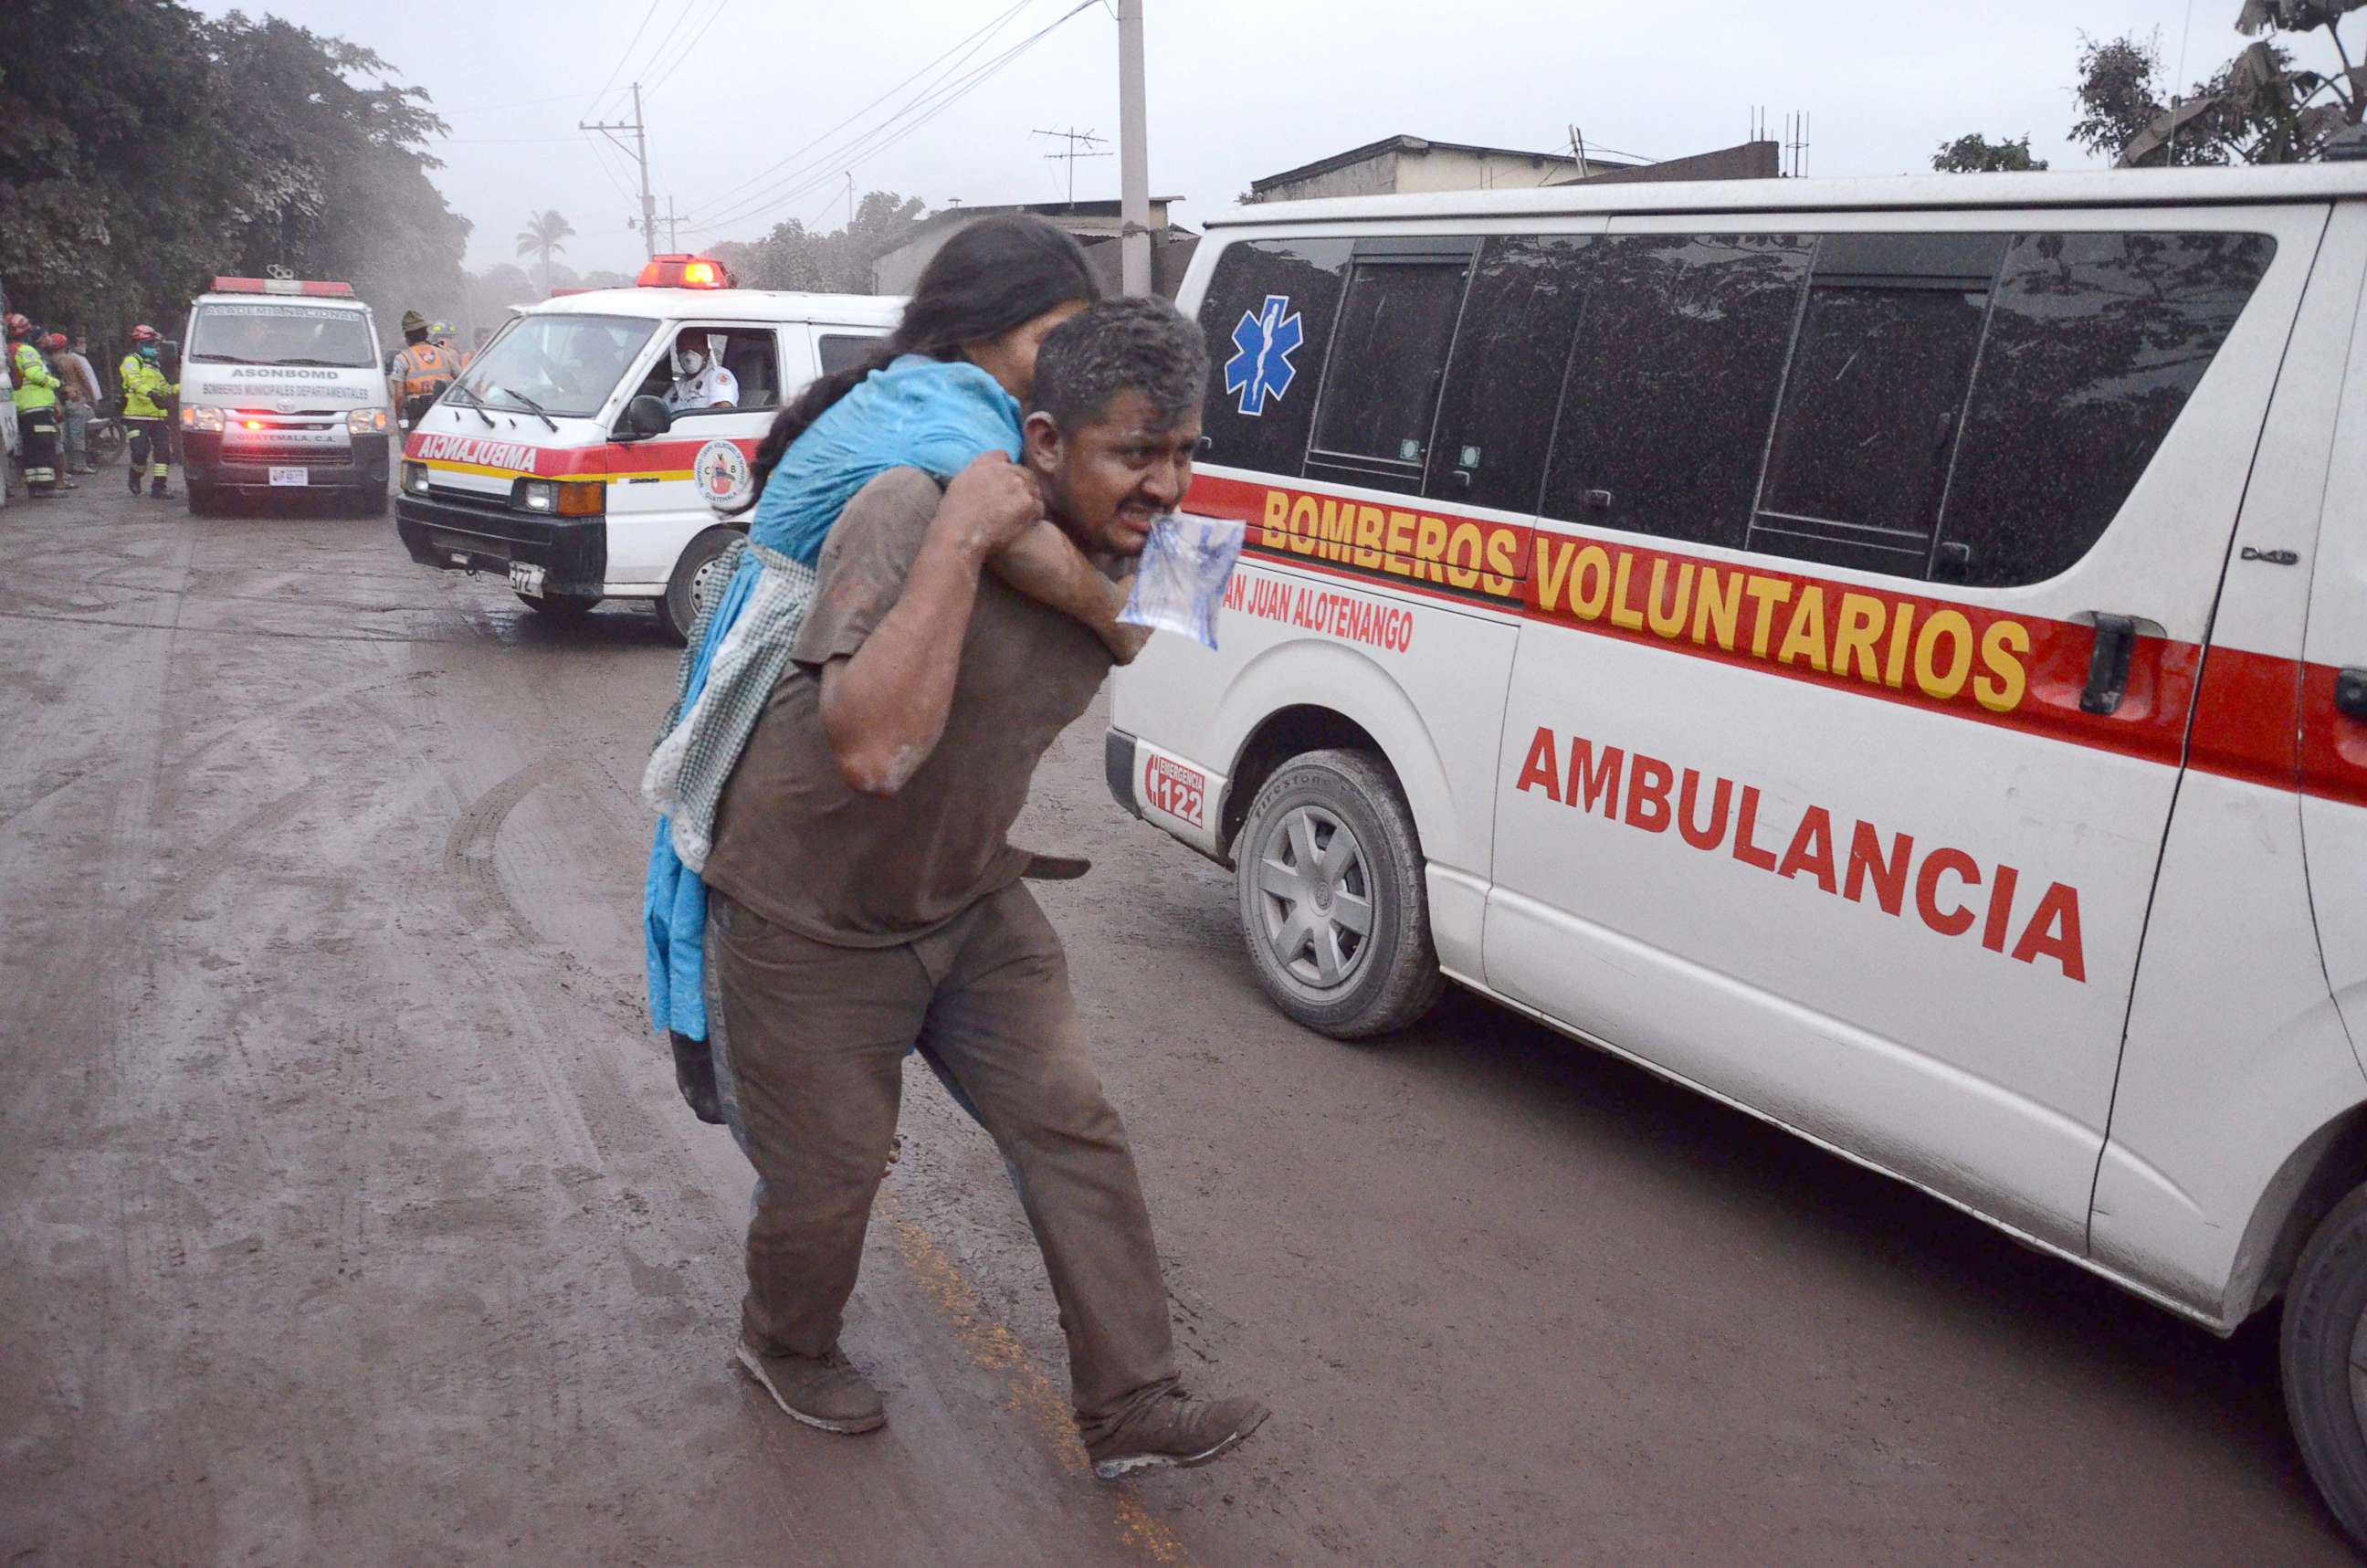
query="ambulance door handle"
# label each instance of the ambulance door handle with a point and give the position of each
(2108, 667)
(2350, 693)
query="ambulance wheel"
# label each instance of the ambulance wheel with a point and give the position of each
(205, 501)
(2325, 1354)
(697, 578)
(559, 608)
(1331, 900)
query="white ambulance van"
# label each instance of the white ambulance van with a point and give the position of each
(1890, 655)
(281, 390)
(587, 451)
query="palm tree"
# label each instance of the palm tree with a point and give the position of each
(541, 237)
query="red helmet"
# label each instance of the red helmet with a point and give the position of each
(17, 323)
(144, 332)
(55, 341)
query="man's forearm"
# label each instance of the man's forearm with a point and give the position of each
(1047, 567)
(884, 709)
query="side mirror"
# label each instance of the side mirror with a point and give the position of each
(644, 416)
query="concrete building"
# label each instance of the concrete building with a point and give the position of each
(1095, 224)
(1399, 165)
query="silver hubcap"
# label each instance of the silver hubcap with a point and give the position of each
(705, 583)
(1315, 898)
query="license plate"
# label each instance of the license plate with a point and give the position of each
(290, 476)
(525, 579)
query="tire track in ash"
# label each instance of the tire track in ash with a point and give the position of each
(174, 774)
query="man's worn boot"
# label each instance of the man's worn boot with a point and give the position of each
(1173, 1431)
(823, 1391)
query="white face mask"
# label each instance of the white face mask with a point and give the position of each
(693, 362)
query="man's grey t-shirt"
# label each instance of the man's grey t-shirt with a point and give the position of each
(799, 847)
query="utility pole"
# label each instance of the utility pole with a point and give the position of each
(641, 154)
(673, 226)
(850, 201)
(1133, 155)
(1075, 139)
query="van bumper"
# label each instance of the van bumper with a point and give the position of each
(455, 537)
(1117, 769)
(361, 465)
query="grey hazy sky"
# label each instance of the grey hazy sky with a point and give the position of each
(1238, 89)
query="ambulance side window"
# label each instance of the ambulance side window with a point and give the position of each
(839, 350)
(1876, 398)
(2095, 344)
(1387, 356)
(1495, 416)
(1268, 317)
(1672, 383)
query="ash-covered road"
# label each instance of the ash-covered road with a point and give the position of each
(347, 1213)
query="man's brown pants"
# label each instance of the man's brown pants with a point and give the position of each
(810, 1042)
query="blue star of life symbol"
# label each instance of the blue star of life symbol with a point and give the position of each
(1264, 343)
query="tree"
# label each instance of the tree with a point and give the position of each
(1975, 154)
(147, 148)
(542, 237)
(793, 256)
(2259, 108)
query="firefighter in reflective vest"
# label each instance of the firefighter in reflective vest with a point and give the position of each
(147, 396)
(421, 371)
(34, 391)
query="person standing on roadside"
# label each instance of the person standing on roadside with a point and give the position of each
(34, 391)
(79, 390)
(421, 370)
(147, 412)
(867, 898)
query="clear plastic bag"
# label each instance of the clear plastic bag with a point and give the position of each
(1179, 584)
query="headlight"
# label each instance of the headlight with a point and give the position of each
(415, 477)
(562, 497)
(200, 419)
(367, 421)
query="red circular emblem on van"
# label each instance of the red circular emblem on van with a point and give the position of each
(722, 471)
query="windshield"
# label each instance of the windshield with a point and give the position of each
(274, 334)
(567, 364)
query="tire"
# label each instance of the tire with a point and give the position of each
(558, 607)
(2325, 1327)
(693, 580)
(1301, 937)
(205, 501)
(364, 503)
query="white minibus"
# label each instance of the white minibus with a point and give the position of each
(594, 448)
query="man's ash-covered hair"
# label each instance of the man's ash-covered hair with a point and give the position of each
(1139, 342)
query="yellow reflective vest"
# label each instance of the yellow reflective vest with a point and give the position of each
(36, 388)
(145, 390)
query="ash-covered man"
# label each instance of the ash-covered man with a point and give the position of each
(866, 898)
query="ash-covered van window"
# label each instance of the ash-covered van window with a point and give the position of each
(2095, 342)
(562, 366)
(1268, 315)
(265, 332)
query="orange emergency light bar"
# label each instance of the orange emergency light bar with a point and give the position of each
(280, 286)
(683, 272)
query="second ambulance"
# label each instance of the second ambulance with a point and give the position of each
(596, 447)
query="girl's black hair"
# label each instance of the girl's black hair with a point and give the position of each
(994, 275)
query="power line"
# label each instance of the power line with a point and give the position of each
(640, 72)
(628, 49)
(675, 64)
(974, 40)
(855, 150)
